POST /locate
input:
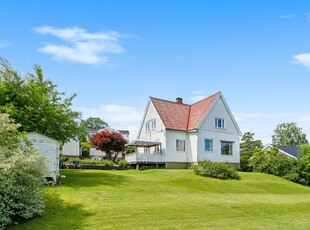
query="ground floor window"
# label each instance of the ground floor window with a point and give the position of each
(180, 145)
(226, 148)
(208, 145)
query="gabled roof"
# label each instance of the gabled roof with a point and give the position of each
(182, 116)
(290, 150)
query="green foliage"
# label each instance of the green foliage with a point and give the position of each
(36, 104)
(130, 150)
(22, 174)
(67, 160)
(216, 170)
(273, 162)
(123, 163)
(247, 147)
(289, 134)
(94, 123)
(85, 148)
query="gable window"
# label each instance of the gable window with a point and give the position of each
(147, 126)
(154, 124)
(208, 145)
(226, 148)
(180, 145)
(219, 122)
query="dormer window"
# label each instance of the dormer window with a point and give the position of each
(219, 123)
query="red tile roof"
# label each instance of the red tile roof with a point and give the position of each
(182, 116)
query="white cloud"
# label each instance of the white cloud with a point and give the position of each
(288, 16)
(197, 98)
(82, 46)
(263, 125)
(118, 116)
(303, 59)
(198, 92)
(2, 45)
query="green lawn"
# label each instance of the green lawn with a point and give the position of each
(172, 199)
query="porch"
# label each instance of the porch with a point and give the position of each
(137, 158)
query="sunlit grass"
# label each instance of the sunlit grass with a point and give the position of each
(172, 199)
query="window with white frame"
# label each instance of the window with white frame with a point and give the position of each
(154, 124)
(180, 145)
(147, 126)
(208, 145)
(219, 122)
(150, 125)
(226, 148)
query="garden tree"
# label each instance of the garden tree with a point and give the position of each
(110, 142)
(289, 134)
(247, 146)
(36, 104)
(94, 123)
(21, 176)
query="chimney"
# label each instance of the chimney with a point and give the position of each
(179, 100)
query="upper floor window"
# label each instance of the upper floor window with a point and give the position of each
(150, 125)
(180, 145)
(154, 124)
(219, 123)
(208, 145)
(226, 148)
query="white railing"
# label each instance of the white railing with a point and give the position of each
(135, 157)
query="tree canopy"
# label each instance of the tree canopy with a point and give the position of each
(36, 104)
(289, 134)
(110, 142)
(94, 123)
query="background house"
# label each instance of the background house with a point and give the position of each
(289, 151)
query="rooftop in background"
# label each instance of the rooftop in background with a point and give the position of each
(291, 150)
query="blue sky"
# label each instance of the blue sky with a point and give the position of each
(114, 54)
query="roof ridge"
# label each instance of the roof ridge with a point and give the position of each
(207, 97)
(169, 101)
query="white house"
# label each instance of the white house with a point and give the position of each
(179, 135)
(72, 148)
(48, 148)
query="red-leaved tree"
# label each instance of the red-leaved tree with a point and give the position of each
(110, 142)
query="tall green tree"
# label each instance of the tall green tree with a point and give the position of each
(94, 123)
(247, 147)
(36, 104)
(289, 134)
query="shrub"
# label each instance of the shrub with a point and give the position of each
(216, 170)
(22, 174)
(123, 163)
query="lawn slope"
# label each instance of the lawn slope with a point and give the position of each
(172, 199)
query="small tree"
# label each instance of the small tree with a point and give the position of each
(289, 134)
(110, 142)
(247, 146)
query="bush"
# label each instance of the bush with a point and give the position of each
(22, 174)
(216, 170)
(123, 163)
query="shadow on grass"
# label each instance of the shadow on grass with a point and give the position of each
(57, 215)
(91, 178)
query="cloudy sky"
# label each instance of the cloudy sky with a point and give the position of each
(115, 54)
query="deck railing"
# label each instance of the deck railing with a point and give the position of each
(147, 158)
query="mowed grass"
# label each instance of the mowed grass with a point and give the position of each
(172, 199)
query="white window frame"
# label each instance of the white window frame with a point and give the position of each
(176, 145)
(212, 149)
(223, 122)
(153, 124)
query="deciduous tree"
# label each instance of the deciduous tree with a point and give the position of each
(289, 134)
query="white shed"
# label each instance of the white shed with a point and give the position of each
(48, 148)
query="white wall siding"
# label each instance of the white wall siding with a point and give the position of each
(48, 148)
(71, 148)
(209, 131)
(157, 134)
(172, 155)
